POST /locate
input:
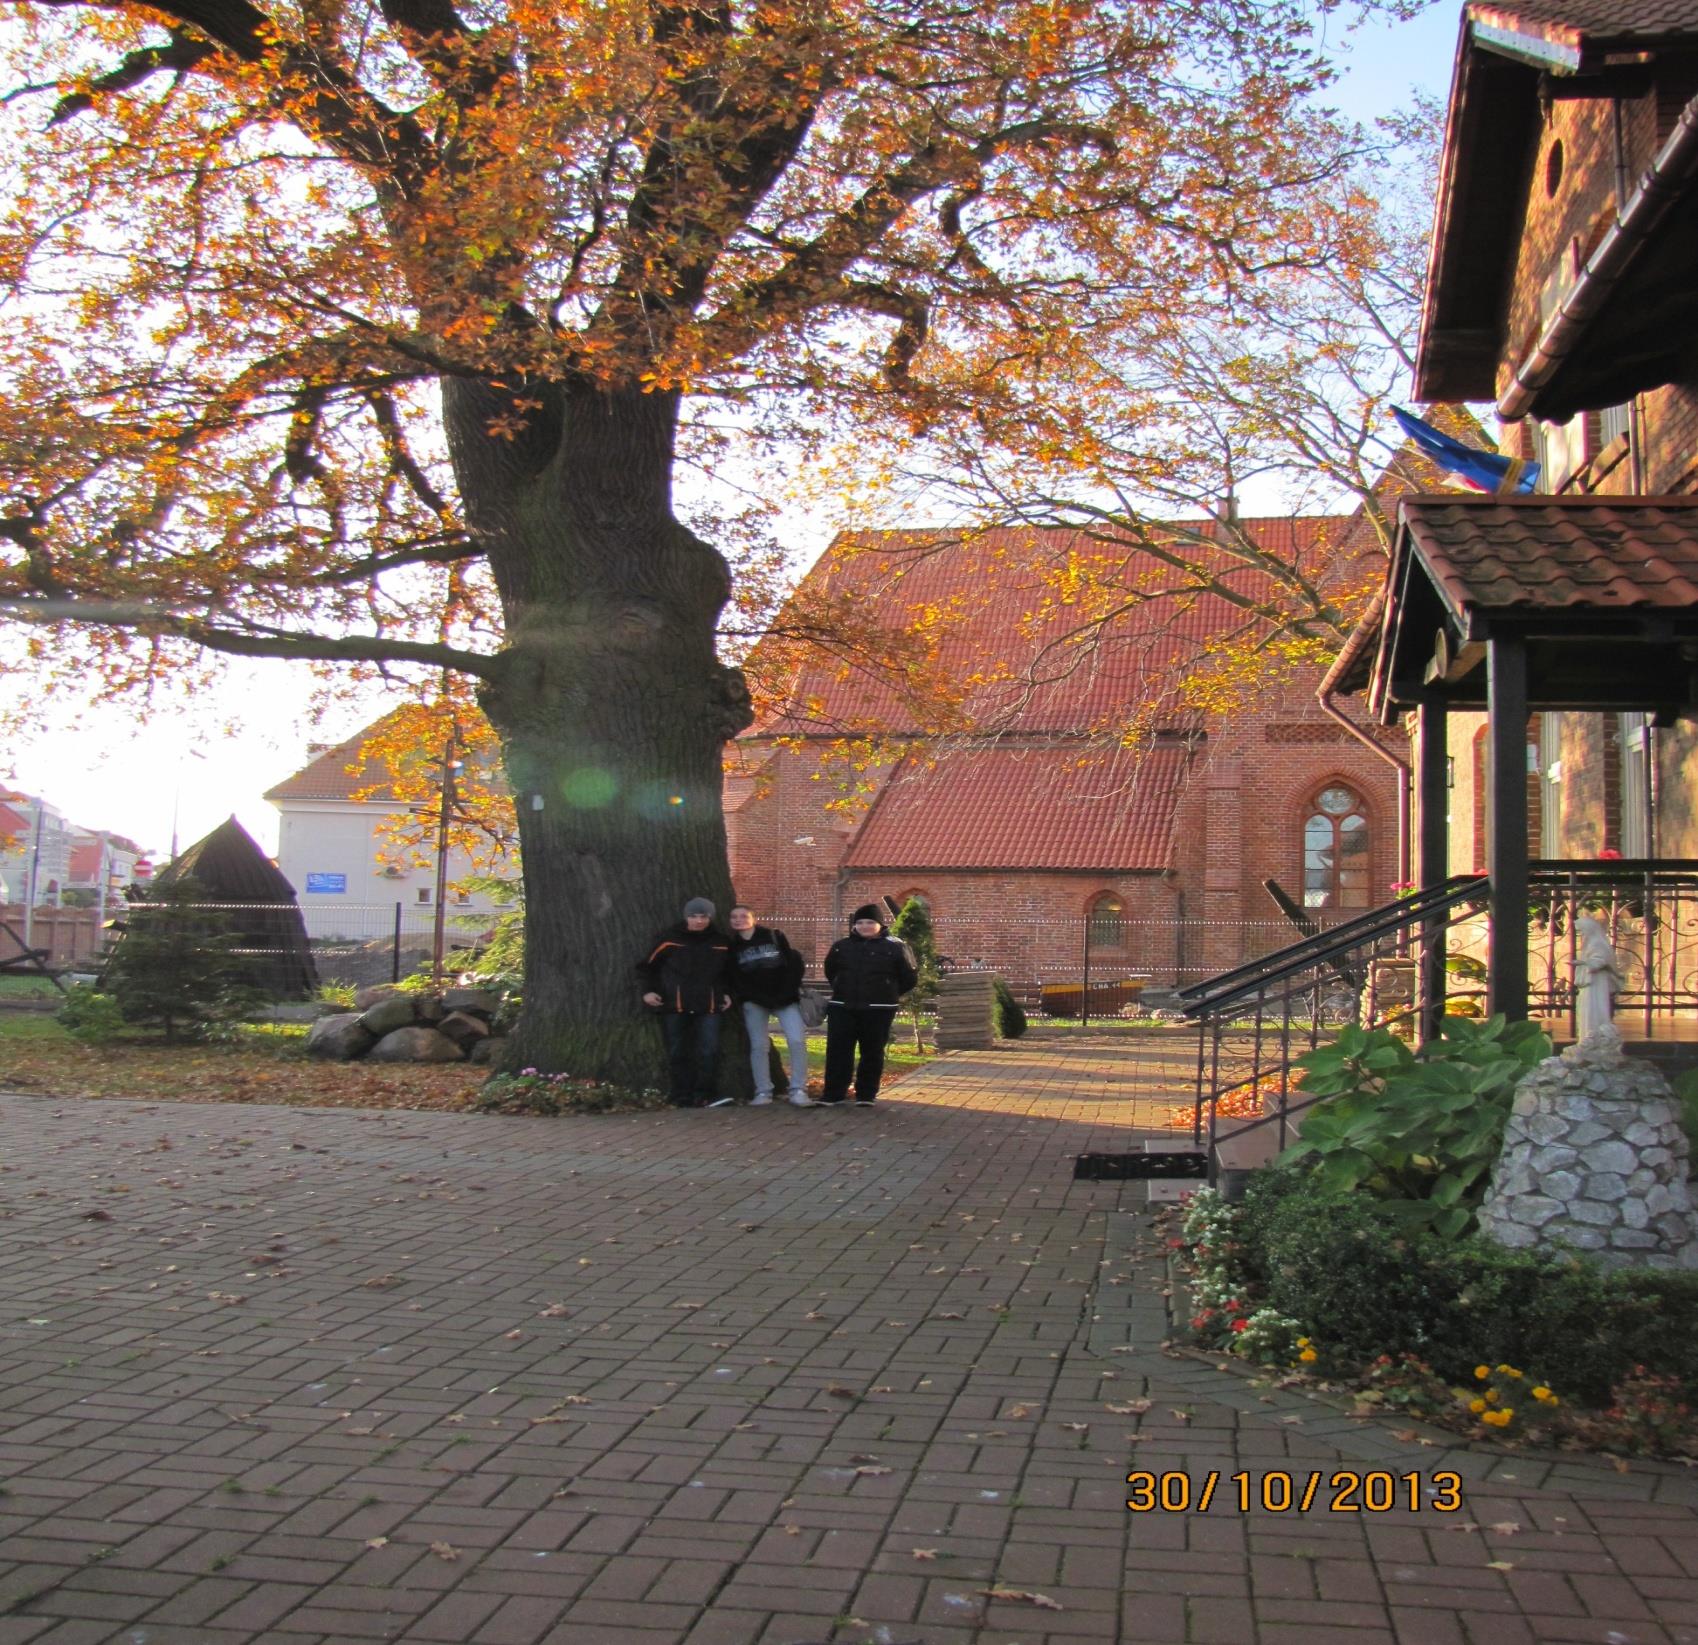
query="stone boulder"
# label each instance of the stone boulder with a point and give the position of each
(416, 1044)
(478, 1001)
(1595, 1160)
(429, 1008)
(464, 1029)
(339, 1038)
(389, 1014)
(485, 1051)
(366, 998)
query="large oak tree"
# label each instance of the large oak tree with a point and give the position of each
(371, 334)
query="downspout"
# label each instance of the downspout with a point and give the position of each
(1360, 638)
(1636, 221)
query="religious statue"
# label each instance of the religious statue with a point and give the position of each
(1596, 980)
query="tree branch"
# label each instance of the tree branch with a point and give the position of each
(255, 641)
(179, 56)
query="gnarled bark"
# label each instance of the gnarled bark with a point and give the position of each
(610, 702)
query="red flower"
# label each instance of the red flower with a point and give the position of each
(1609, 854)
(1241, 1325)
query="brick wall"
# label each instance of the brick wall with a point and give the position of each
(1238, 821)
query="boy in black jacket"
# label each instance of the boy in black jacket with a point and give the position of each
(687, 979)
(767, 980)
(868, 972)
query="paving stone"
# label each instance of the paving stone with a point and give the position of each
(545, 1348)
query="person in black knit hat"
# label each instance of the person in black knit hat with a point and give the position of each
(686, 977)
(869, 973)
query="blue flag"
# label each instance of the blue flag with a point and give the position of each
(1483, 470)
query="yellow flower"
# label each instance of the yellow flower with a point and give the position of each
(1492, 1396)
(1542, 1393)
(1302, 1342)
(1476, 1406)
(1308, 1356)
(1482, 1371)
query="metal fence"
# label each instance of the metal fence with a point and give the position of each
(1063, 967)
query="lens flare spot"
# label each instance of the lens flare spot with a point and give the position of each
(589, 787)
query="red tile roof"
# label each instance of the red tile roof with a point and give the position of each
(1599, 22)
(1030, 627)
(1026, 808)
(339, 773)
(1539, 554)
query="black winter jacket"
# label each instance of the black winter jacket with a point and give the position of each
(766, 970)
(875, 971)
(690, 970)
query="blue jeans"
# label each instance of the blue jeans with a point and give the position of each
(760, 1037)
(692, 1055)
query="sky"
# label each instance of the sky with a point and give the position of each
(178, 769)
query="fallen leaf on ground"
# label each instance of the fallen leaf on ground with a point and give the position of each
(924, 1553)
(445, 1550)
(1024, 1596)
(1132, 1408)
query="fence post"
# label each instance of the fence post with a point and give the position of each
(1085, 979)
(395, 948)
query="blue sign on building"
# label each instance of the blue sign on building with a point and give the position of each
(331, 883)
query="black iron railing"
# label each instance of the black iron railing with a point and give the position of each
(1255, 1020)
(1648, 909)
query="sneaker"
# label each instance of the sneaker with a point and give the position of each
(863, 1102)
(761, 1099)
(719, 1102)
(801, 1099)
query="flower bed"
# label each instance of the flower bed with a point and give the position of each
(1500, 1344)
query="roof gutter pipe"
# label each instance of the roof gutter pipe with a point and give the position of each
(1661, 186)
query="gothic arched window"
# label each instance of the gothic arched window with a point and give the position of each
(1335, 850)
(1105, 921)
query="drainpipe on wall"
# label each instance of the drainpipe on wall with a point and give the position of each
(1361, 637)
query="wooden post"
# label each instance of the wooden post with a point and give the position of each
(1432, 857)
(1506, 855)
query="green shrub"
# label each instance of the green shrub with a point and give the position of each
(913, 925)
(1365, 1286)
(89, 1015)
(1685, 1088)
(1010, 1018)
(1417, 1130)
(175, 968)
(551, 1095)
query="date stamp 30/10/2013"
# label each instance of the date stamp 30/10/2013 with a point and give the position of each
(1280, 1491)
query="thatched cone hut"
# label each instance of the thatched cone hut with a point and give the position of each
(257, 905)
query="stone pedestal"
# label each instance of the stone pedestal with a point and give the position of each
(1594, 1159)
(966, 1005)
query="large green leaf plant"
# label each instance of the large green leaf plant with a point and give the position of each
(1419, 1130)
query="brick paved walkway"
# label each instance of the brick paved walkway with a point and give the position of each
(750, 1377)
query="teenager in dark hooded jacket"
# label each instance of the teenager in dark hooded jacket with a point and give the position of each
(686, 977)
(869, 973)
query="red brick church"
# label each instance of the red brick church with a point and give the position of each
(1043, 769)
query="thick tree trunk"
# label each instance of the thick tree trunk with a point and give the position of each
(611, 705)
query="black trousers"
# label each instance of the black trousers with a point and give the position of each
(850, 1029)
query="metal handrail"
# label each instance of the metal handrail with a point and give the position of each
(1330, 945)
